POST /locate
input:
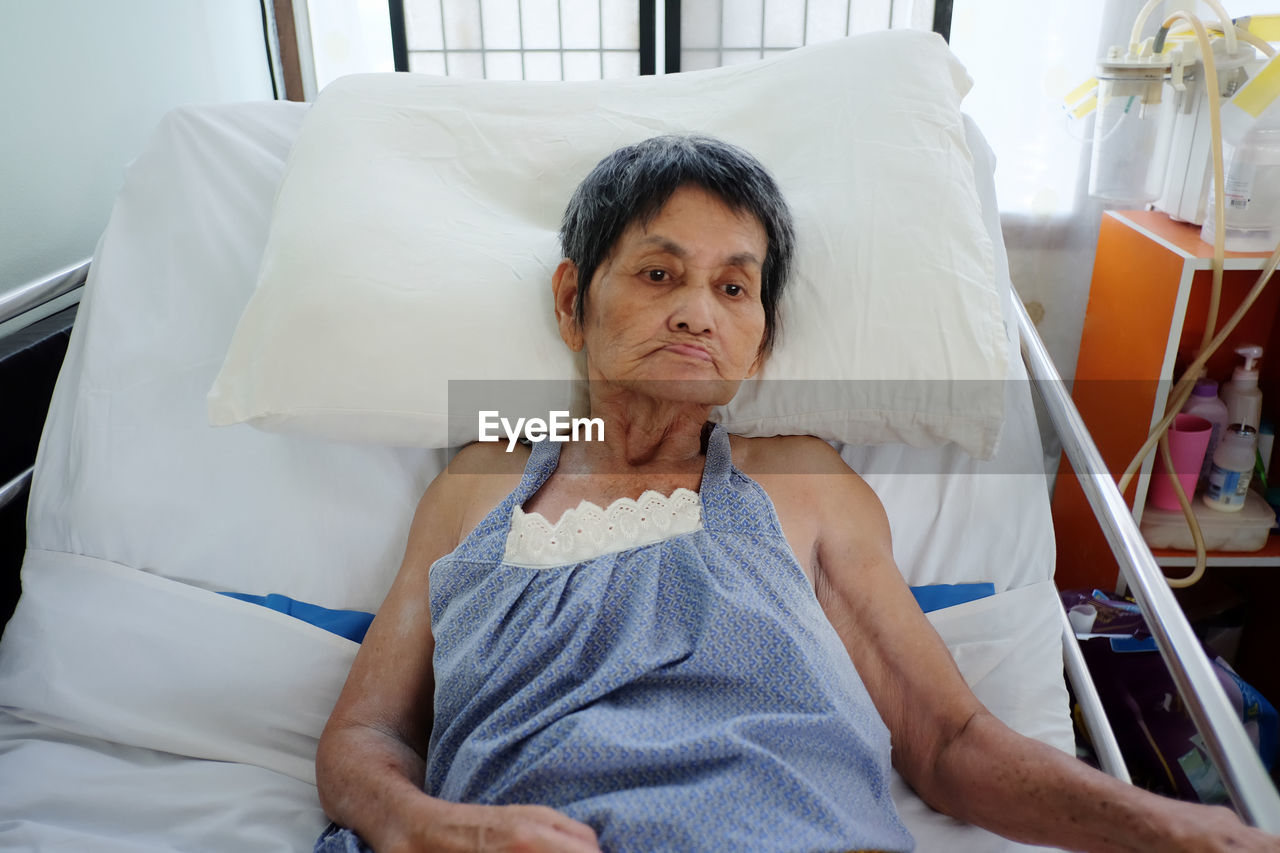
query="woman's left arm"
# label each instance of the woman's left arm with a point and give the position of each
(957, 756)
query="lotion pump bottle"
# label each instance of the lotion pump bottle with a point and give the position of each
(1243, 399)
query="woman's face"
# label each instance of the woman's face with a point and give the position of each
(675, 310)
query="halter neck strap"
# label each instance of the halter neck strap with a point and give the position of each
(546, 456)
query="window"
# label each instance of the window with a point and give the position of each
(599, 39)
(733, 31)
(524, 39)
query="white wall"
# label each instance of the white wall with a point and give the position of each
(82, 83)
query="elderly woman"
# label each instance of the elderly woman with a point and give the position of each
(719, 659)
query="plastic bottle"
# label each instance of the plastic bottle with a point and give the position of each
(1251, 179)
(1232, 469)
(1205, 403)
(1243, 399)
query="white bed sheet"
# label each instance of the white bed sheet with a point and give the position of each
(144, 713)
(206, 709)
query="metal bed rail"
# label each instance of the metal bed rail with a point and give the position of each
(14, 487)
(1105, 745)
(1233, 755)
(37, 293)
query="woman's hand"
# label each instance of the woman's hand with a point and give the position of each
(1212, 829)
(467, 828)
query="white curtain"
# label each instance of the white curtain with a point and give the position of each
(1024, 58)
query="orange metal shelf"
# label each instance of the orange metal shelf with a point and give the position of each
(1147, 308)
(1183, 235)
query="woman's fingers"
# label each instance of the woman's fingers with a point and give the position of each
(569, 826)
(1217, 829)
(530, 829)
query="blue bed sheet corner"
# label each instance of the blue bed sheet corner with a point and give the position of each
(940, 595)
(353, 624)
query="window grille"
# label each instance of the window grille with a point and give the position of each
(601, 39)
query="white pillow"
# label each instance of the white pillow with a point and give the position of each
(415, 234)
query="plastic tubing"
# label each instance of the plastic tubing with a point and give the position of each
(1255, 41)
(1184, 501)
(1242, 34)
(1215, 113)
(1219, 192)
(1224, 20)
(1179, 394)
(1192, 373)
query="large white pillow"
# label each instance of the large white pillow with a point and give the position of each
(415, 233)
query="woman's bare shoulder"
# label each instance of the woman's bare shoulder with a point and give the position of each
(786, 454)
(489, 458)
(806, 475)
(473, 483)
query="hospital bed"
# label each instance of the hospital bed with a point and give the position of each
(141, 709)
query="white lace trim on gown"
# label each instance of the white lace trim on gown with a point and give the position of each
(587, 531)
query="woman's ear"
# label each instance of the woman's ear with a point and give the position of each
(564, 288)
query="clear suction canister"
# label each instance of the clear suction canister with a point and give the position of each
(1252, 188)
(1130, 133)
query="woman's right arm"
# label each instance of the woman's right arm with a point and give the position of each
(372, 755)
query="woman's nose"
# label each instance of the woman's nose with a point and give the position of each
(694, 309)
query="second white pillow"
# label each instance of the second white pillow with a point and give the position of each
(415, 234)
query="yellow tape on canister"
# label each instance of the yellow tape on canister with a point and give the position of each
(1257, 94)
(1087, 106)
(1265, 27)
(1080, 91)
(1075, 106)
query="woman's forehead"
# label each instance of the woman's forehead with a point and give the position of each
(693, 216)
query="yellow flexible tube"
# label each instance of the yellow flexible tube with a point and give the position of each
(1184, 501)
(1180, 392)
(1182, 389)
(1260, 43)
(1224, 21)
(1242, 34)
(1179, 395)
(1215, 128)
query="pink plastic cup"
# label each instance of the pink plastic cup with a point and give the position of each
(1188, 442)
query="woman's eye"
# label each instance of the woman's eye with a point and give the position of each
(734, 289)
(658, 275)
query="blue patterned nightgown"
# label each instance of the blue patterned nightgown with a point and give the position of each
(686, 695)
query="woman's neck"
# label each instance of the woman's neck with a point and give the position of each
(642, 434)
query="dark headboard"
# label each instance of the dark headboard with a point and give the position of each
(29, 363)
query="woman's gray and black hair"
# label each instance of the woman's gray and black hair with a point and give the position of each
(633, 183)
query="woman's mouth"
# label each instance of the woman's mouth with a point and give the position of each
(689, 350)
